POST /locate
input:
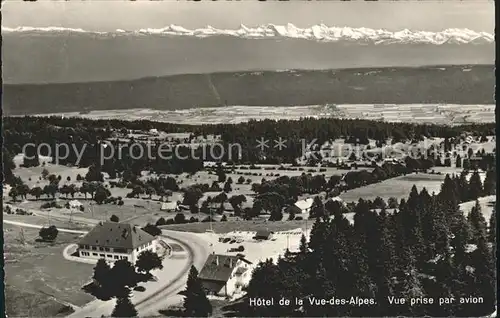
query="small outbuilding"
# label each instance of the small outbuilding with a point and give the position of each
(263, 235)
(223, 275)
(169, 207)
(301, 206)
(75, 204)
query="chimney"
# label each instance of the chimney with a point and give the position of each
(217, 260)
(230, 263)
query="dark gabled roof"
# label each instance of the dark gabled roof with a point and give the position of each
(263, 233)
(222, 271)
(241, 270)
(212, 286)
(116, 235)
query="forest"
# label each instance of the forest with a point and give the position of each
(427, 249)
(87, 135)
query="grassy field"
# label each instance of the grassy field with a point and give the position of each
(131, 209)
(35, 173)
(487, 206)
(347, 86)
(398, 187)
(39, 281)
(45, 221)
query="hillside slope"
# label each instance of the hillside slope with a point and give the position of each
(448, 84)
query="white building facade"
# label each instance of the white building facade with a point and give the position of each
(225, 275)
(114, 241)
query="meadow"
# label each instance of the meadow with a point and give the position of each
(39, 281)
(398, 187)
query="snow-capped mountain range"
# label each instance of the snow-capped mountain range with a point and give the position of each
(319, 32)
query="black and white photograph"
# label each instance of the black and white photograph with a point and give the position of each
(249, 158)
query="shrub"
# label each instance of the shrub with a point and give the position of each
(193, 220)
(207, 219)
(152, 229)
(48, 233)
(51, 204)
(161, 221)
(180, 218)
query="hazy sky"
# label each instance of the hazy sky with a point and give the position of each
(477, 15)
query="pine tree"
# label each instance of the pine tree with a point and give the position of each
(196, 303)
(461, 235)
(485, 278)
(409, 284)
(445, 285)
(362, 284)
(492, 233)
(124, 308)
(383, 269)
(412, 225)
(303, 245)
(8, 165)
(317, 236)
(317, 208)
(318, 286)
(266, 283)
(477, 222)
(293, 276)
(463, 186)
(458, 161)
(337, 257)
(361, 212)
(475, 186)
(448, 192)
(490, 182)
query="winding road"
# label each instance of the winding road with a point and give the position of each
(159, 294)
(35, 226)
(171, 280)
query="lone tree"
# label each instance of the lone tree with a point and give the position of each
(227, 187)
(45, 173)
(148, 261)
(101, 273)
(161, 221)
(36, 192)
(317, 208)
(48, 233)
(114, 218)
(180, 218)
(124, 308)
(196, 303)
(122, 278)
